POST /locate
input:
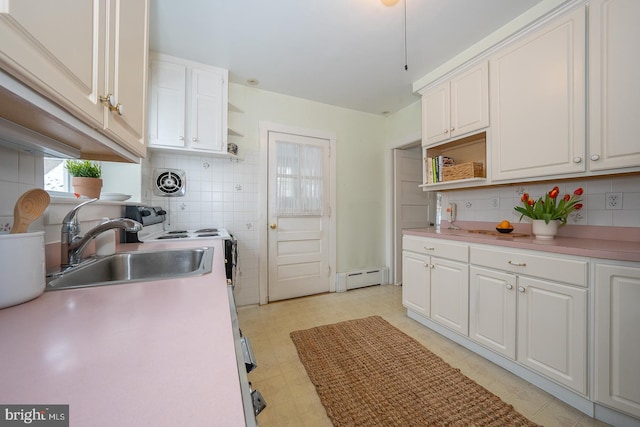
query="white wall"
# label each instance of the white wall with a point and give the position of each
(225, 194)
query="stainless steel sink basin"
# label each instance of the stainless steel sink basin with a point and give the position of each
(125, 267)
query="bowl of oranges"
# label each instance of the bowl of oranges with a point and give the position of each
(504, 227)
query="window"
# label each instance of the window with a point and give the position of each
(56, 177)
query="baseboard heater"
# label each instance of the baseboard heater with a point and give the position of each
(361, 278)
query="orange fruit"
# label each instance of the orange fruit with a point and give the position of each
(504, 224)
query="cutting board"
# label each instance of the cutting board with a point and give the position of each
(497, 233)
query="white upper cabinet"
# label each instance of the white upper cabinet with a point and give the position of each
(538, 102)
(87, 56)
(614, 86)
(456, 107)
(188, 106)
(127, 51)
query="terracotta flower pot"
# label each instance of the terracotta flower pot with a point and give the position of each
(89, 187)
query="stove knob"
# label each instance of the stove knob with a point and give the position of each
(161, 212)
(145, 212)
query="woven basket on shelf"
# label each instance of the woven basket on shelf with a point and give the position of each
(462, 171)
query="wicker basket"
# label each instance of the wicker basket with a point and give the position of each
(462, 171)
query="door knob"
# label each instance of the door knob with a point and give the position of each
(273, 226)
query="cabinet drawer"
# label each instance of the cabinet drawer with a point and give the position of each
(436, 247)
(555, 267)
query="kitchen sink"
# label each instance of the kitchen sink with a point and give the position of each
(126, 267)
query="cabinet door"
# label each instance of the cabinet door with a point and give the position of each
(58, 49)
(538, 102)
(436, 114)
(470, 100)
(614, 84)
(617, 337)
(552, 331)
(492, 310)
(207, 113)
(167, 104)
(127, 81)
(415, 282)
(450, 294)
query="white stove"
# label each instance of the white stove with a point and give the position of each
(153, 227)
(204, 233)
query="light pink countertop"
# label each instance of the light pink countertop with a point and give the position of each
(614, 243)
(155, 353)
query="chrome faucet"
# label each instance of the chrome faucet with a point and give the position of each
(72, 243)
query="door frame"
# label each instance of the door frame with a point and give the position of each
(407, 141)
(263, 191)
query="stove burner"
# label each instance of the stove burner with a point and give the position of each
(173, 236)
(207, 230)
(208, 235)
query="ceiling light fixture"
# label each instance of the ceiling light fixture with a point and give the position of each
(390, 2)
(253, 82)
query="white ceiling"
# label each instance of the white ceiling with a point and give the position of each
(347, 53)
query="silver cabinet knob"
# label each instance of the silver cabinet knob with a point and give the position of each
(181, 138)
(427, 248)
(452, 129)
(577, 159)
(509, 286)
(521, 289)
(194, 139)
(595, 157)
(446, 131)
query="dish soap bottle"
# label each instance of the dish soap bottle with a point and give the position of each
(106, 241)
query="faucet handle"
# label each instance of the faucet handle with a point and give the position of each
(72, 216)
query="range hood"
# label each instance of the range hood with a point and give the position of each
(31, 123)
(20, 138)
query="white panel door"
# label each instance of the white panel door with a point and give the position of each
(492, 310)
(617, 323)
(298, 244)
(614, 60)
(552, 331)
(450, 294)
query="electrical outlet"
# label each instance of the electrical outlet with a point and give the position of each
(613, 201)
(494, 203)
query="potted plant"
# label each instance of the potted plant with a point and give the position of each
(86, 177)
(548, 212)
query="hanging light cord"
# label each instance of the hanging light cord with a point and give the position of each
(406, 67)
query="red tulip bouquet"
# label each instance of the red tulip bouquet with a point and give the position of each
(551, 207)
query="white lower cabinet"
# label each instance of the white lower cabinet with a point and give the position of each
(552, 331)
(520, 309)
(492, 308)
(540, 323)
(617, 337)
(415, 282)
(450, 294)
(435, 281)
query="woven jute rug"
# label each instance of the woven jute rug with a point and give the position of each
(368, 373)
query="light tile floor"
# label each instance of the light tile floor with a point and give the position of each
(292, 399)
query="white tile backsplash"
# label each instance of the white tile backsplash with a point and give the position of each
(220, 193)
(475, 205)
(19, 172)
